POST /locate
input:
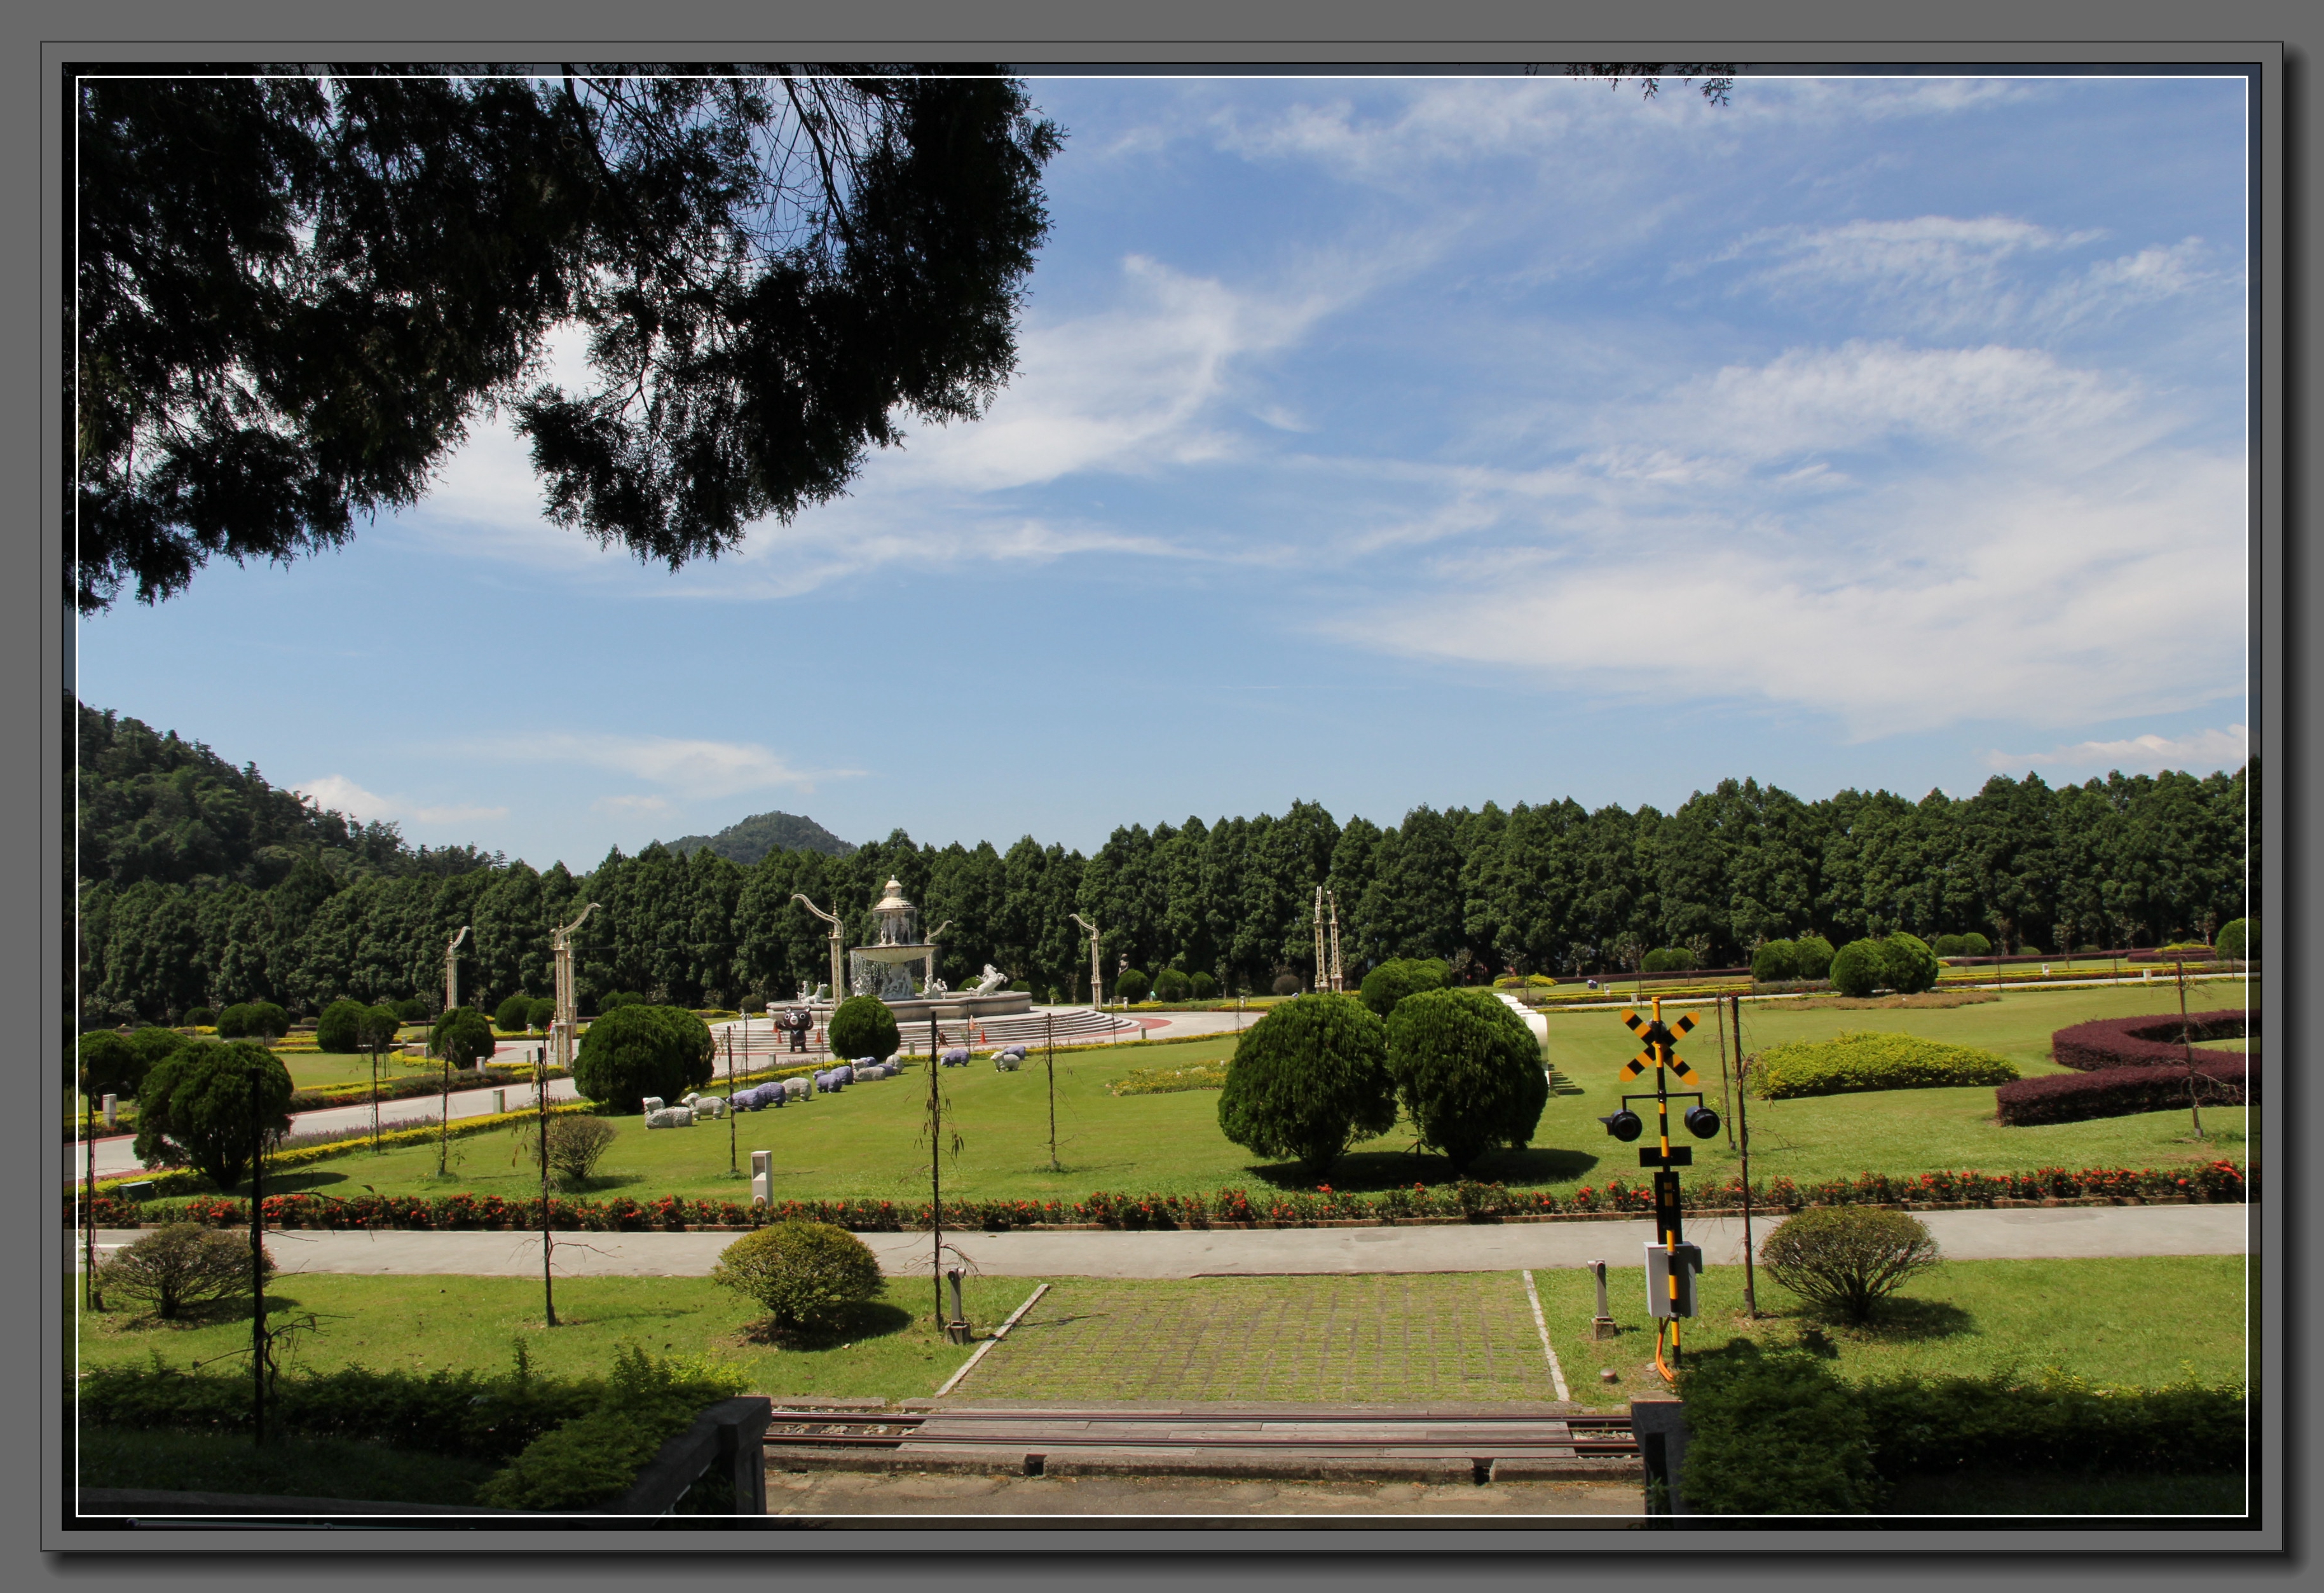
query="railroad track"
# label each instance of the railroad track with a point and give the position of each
(1182, 1439)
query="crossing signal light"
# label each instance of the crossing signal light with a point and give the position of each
(1623, 1125)
(1702, 1122)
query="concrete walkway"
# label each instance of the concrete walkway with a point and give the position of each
(1964, 1236)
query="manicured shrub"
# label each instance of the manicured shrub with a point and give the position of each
(2126, 1092)
(514, 1016)
(1668, 960)
(1172, 985)
(151, 1044)
(1974, 945)
(539, 1013)
(1846, 1259)
(1468, 1071)
(576, 1144)
(1774, 961)
(1856, 967)
(182, 1265)
(234, 1021)
(2238, 940)
(803, 1274)
(413, 1009)
(1773, 1434)
(1812, 957)
(861, 1026)
(1907, 966)
(1950, 945)
(462, 1036)
(2150, 1039)
(198, 1106)
(1400, 977)
(614, 1000)
(1309, 1079)
(635, 1052)
(1202, 987)
(1132, 985)
(1849, 1063)
(103, 1063)
(1286, 984)
(337, 1030)
(198, 1017)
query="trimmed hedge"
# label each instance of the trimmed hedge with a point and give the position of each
(2220, 1181)
(1849, 1063)
(2123, 1092)
(2150, 1040)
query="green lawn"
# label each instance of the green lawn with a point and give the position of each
(473, 1323)
(865, 1142)
(2132, 1321)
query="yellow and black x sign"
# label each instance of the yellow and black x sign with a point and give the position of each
(1661, 1044)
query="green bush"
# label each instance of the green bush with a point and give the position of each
(412, 1009)
(462, 1036)
(1133, 985)
(539, 1013)
(1773, 1434)
(107, 1064)
(514, 1016)
(151, 1044)
(1846, 1259)
(201, 1018)
(1468, 1071)
(1309, 1079)
(1400, 977)
(1849, 1063)
(198, 1104)
(1812, 957)
(1668, 960)
(862, 1026)
(234, 1021)
(635, 1052)
(614, 1000)
(1974, 945)
(181, 1265)
(1286, 984)
(1857, 968)
(1172, 985)
(1950, 945)
(338, 1029)
(2238, 940)
(593, 1458)
(1908, 965)
(804, 1275)
(1202, 986)
(1774, 961)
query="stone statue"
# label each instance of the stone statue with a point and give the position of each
(993, 980)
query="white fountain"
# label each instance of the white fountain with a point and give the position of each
(884, 969)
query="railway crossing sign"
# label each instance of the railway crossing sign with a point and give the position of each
(1662, 1047)
(1671, 1262)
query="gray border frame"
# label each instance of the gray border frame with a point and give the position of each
(1223, 37)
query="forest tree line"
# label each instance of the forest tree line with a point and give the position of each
(201, 888)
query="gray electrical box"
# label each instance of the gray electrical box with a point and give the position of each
(1658, 1278)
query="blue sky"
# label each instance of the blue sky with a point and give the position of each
(1383, 442)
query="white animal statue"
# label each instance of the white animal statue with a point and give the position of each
(993, 980)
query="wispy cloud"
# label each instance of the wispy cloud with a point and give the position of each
(625, 805)
(2199, 752)
(696, 767)
(336, 791)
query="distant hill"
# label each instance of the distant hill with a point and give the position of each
(762, 832)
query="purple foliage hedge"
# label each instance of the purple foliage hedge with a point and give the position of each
(2134, 1064)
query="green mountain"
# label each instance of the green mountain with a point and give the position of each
(762, 832)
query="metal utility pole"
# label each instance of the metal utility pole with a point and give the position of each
(838, 982)
(1097, 969)
(452, 970)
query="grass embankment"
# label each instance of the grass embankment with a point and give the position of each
(865, 1143)
(891, 1349)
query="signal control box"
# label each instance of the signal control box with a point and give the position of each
(1689, 1259)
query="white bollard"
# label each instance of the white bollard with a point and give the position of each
(109, 1112)
(762, 1177)
(500, 1101)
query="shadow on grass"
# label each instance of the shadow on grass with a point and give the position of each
(1368, 1171)
(140, 1317)
(874, 1320)
(1892, 1322)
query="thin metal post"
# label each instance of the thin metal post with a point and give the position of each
(733, 1166)
(936, 1168)
(548, 1245)
(257, 1270)
(1718, 1014)
(2187, 1049)
(1052, 1026)
(88, 1205)
(1742, 1095)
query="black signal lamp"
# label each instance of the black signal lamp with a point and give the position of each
(1623, 1125)
(1702, 1122)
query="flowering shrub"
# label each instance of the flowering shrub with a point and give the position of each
(2112, 1092)
(2150, 1040)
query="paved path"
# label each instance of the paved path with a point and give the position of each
(1964, 1236)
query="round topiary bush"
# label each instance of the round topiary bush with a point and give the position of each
(1286, 984)
(539, 1013)
(1309, 1079)
(2238, 940)
(234, 1021)
(1400, 977)
(635, 1052)
(805, 1274)
(107, 1064)
(198, 1017)
(182, 1265)
(1950, 945)
(1907, 966)
(1202, 987)
(614, 1000)
(1846, 1259)
(198, 1105)
(338, 1029)
(1172, 985)
(1668, 960)
(514, 1016)
(1856, 967)
(413, 1009)
(864, 1027)
(1812, 957)
(1974, 945)
(1774, 961)
(1133, 985)
(462, 1037)
(1468, 1071)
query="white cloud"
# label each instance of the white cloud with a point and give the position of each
(632, 805)
(2198, 753)
(697, 767)
(336, 791)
